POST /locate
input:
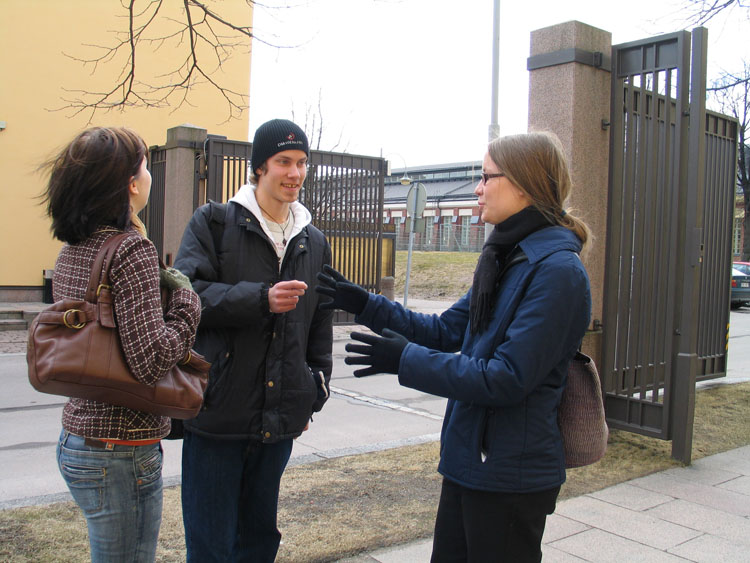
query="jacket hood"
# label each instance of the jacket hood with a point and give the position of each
(246, 198)
(537, 246)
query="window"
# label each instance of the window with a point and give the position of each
(445, 235)
(465, 230)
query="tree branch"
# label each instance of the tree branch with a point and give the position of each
(207, 39)
(706, 10)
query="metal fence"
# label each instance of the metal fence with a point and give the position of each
(443, 236)
(153, 214)
(718, 212)
(344, 193)
(227, 165)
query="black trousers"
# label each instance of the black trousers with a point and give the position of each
(480, 526)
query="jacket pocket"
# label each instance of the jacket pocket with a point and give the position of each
(321, 389)
(215, 344)
(220, 368)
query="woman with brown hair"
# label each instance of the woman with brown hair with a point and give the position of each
(110, 456)
(515, 332)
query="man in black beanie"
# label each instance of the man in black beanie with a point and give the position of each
(252, 260)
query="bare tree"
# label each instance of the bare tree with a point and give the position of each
(732, 94)
(204, 39)
(313, 125)
(705, 10)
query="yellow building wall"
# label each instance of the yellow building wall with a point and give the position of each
(34, 35)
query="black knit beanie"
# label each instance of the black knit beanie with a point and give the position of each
(275, 136)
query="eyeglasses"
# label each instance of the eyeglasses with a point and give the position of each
(487, 177)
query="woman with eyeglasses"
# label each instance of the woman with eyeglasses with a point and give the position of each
(500, 355)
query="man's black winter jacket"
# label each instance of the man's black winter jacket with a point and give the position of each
(263, 382)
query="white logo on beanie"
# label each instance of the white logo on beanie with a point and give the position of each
(291, 140)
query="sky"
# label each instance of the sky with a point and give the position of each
(410, 80)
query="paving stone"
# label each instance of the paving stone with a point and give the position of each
(633, 498)
(558, 527)
(706, 475)
(603, 547)
(734, 460)
(739, 485)
(626, 523)
(727, 501)
(705, 519)
(551, 554)
(710, 549)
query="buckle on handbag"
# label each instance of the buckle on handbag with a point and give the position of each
(69, 324)
(102, 286)
(186, 359)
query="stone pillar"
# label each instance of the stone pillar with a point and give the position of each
(182, 142)
(569, 95)
(387, 287)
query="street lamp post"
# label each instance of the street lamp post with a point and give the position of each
(494, 129)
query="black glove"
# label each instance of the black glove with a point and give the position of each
(346, 295)
(382, 353)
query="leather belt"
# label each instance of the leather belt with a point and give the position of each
(94, 443)
(105, 445)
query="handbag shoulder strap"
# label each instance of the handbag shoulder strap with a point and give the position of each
(217, 223)
(516, 256)
(102, 263)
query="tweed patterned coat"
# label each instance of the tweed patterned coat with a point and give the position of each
(153, 340)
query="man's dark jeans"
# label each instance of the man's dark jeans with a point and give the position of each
(230, 494)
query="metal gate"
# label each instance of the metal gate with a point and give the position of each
(153, 214)
(671, 194)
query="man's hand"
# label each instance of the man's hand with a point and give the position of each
(345, 295)
(382, 353)
(284, 296)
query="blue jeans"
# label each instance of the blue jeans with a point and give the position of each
(120, 493)
(230, 496)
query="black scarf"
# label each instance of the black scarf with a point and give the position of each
(504, 238)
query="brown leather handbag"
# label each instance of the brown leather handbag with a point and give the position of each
(74, 350)
(581, 417)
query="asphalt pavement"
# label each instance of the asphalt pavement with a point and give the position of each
(362, 415)
(698, 513)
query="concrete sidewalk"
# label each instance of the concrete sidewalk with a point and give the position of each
(699, 513)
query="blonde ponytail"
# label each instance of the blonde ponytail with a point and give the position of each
(138, 225)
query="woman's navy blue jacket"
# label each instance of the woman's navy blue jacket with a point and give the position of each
(500, 429)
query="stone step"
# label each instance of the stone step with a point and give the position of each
(12, 314)
(13, 324)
